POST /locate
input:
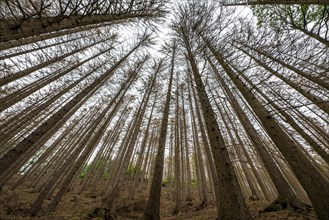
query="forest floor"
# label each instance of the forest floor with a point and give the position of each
(14, 204)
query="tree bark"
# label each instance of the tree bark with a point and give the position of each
(152, 211)
(231, 196)
(30, 140)
(312, 181)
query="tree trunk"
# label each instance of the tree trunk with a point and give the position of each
(92, 143)
(209, 155)
(322, 105)
(46, 25)
(30, 140)
(138, 175)
(188, 166)
(231, 197)
(177, 156)
(152, 211)
(17, 96)
(312, 181)
(316, 80)
(7, 79)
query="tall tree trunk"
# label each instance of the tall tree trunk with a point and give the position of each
(82, 158)
(289, 119)
(138, 175)
(316, 80)
(30, 140)
(315, 185)
(215, 180)
(7, 79)
(21, 94)
(285, 191)
(35, 26)
(152, 211)
(188, 166)
(109, 198)
(231, 197)
(177, 154)
(58, 42)
(318, 102)
(37, 38)
(11, 126)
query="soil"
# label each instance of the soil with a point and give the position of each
(15, 204)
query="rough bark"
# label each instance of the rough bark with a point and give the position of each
(315, 185)
(188, 166)
(231, 196)
(152, 211)
(177, 155)
(30, 140)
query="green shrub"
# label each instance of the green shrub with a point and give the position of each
(194, 183)
(166, 181)
(85, 170)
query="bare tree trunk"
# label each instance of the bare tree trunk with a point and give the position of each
(58, 42)
(182, 158)
(312, 181)
(12, 126)
(7, 79)
(34, 39)
(29, 141)
(322, 105)
(285, 64)
(92, 143)
(177, 156)
(188, 166)
(109, 198)
(138, 175)
(289, 119)
(152, 211)
(286, 192)
(21, 94)
(231, 197)
(215, 179)
(17, 29)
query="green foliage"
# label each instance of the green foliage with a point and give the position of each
(194, 183)
(106, 175)
(85, 170)
(132, 170)
(166, 181)
(282, 17)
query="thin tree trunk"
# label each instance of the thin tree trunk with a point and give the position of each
(36, 206)
(188, 166)
(46, 25)
(320, 103)
(138, 175)
(17, 96)
(316, 80)
(215, 182)
(285, 191)
(177, 155)
(22, 52)
(12, 77)
(30, 140)
(152, 211)
(118, 182)
(312, 181)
